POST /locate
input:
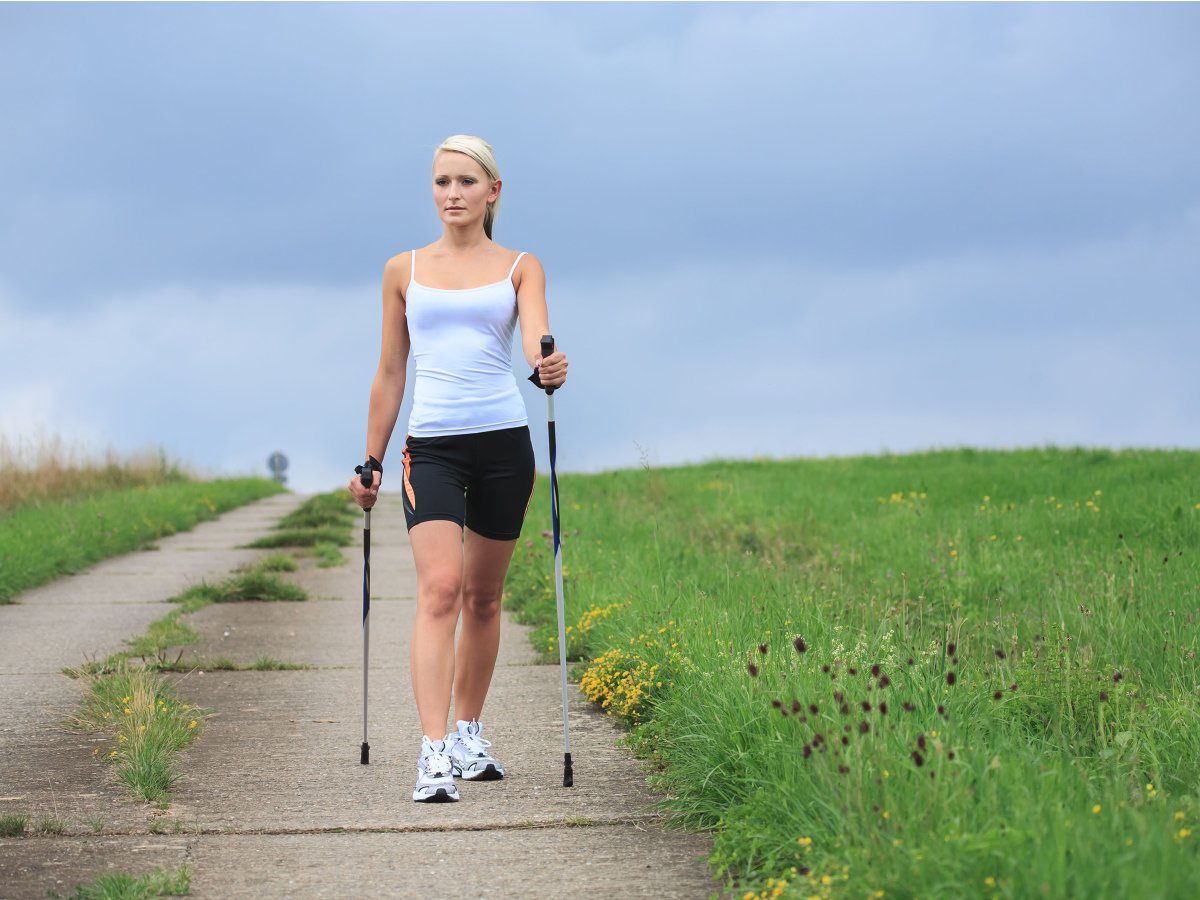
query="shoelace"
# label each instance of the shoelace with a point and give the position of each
(474, 743)
(436, 764)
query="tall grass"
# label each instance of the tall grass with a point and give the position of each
(47, 468)
(944, 674)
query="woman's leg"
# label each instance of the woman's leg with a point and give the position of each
(485, 563)
(438, 553)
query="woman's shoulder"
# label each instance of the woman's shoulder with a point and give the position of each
(397, 271)
(399, 260)
(524, 259)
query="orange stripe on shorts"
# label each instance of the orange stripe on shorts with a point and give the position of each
(408, 489)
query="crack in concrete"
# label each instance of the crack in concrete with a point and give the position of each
(194, 832)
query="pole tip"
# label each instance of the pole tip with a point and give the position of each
(364, 758)
(568, 771)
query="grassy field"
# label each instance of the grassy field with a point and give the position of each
(40, 541)
(951, 674)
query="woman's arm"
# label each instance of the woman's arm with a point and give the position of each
(387, 390)
(535, 322)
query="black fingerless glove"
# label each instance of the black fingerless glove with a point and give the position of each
(365, 470)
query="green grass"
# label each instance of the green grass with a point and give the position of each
(328, 556)
(13, 826)
(221, 664)
(40, 542)
(50, 825)
(323, 520)
(122, 886)
(333, 508)
(1060, 587)
(276, 562)
(147, 721)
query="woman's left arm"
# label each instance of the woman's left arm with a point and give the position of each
(530, 281)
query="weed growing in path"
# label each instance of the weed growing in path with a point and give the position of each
(321, 521)
(50, 825)
(122, 886)
(12, 825)
(147, 722)
(276, 562)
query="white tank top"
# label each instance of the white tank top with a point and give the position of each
(462, 345)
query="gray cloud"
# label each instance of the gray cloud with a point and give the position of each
(769, 229)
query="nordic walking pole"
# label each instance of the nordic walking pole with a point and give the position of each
(568, 774)
(365, 473)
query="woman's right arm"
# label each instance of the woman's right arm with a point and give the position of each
(387, 390)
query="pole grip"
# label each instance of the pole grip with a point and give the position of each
(366, 471)
(547, 349)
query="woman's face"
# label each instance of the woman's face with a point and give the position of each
(461, 189)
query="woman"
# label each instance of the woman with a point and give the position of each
(468, 462)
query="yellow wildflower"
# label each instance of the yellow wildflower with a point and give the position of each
(1179, 816)
(1183, 833)
(192, 724)
(1096, 808)
(990, 881)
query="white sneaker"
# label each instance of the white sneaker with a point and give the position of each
(435, 774)
(469, 756)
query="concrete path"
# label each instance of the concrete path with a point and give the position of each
(274, 802)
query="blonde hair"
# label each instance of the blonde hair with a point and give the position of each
(481, 151)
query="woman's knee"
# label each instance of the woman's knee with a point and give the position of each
(482, 602)
(439, 597)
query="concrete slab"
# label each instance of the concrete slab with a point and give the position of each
(32, 866)
(68, 634)
(283, 753)
(494, 864)
(323, 633)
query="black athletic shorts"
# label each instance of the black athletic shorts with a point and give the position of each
(483, 480)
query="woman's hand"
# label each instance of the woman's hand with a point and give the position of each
(552, 371)
(366, 496)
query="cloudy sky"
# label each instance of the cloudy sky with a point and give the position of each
(778, 229)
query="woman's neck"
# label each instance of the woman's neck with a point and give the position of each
(461, 240)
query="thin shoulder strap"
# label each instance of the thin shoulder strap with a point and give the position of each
(412, 270)
(515, 264)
